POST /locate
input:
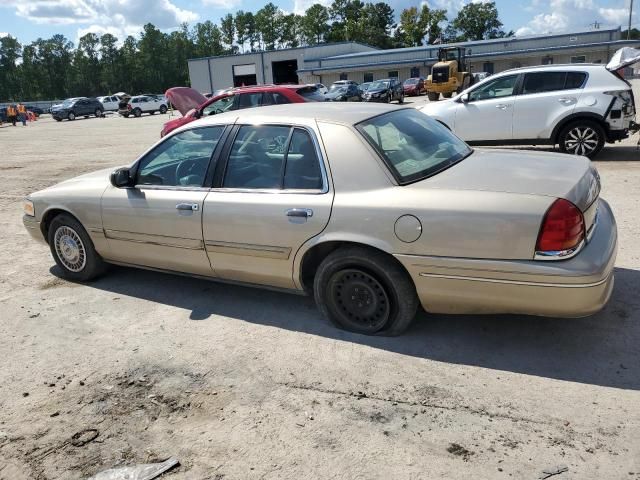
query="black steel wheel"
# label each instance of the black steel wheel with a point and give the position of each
(365, 291)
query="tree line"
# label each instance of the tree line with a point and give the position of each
(155, 60)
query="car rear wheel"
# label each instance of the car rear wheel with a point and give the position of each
(365, 291)
(583, 137)
(137, 112)
(163, 109)
(98, 112)
(447, 94)
(73, 250)
(71, 116)
(433, 96)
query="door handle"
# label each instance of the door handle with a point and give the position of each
(300, 212)
(567, 100)
(502, 106)
(194, 207)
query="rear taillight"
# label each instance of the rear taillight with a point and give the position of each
(128, 106)
(562, 228)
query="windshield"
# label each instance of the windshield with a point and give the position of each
(68, 102)
(411, 81)
(219, 106)
(379, 85)
(311, 94)
(338, 88)
(413, 145)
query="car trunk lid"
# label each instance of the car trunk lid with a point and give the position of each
(185, 98)
(532, 173)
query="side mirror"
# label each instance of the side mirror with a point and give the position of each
(121, 178)
(465, 98)
(197, 114)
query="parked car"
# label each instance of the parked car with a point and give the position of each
(321, 88)
(247, 196)
(578, 107)
(58, 105)
(363, 87)
(110, 103)
(343, 92)
(386, 91)
(140, 104)
(79, 107)
(192, 105)
(479, 76)
(414, 86)
(37, 111)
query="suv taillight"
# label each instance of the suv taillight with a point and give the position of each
(562, 228)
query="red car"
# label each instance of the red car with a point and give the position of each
(193, 105)
(413, 86)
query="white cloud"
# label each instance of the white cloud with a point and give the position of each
(563, 15)
(119, 17)
(301, 6)
(224, 4)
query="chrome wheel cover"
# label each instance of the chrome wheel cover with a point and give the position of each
(70, 249)
(581, 140)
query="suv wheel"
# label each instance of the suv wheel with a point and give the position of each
(98, 113)
(137, 112)
(71, 116)
(163, 109)
(582, 137)
(365, 291)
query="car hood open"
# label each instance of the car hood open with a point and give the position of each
(185, 98)
(624, 57)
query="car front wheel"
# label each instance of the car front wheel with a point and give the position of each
(71, 116)
(73, 250)
(365, 291)
(583, 137)
(163, 109)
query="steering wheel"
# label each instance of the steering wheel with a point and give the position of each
(187, 168)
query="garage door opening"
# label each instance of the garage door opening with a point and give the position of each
(244, 75)
(285, 71)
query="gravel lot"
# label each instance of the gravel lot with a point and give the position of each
(239, 383)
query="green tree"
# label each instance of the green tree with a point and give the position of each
(10, 52)
(410, 30)
(430, 22)
(291, 30)
(228, 29)
(269, 25)
(478, 21)
(377, 21)
(207, 40)
(315, 24)
(109, 56)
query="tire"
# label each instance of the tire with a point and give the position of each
(137, 113)
(582, 137)
(386, 296)
(433, 96)
(58, 119)
(163, 109)
(86, 116)
(447, 94)
(126, 115)
(98, 113)
(73, 250)
(71, 116)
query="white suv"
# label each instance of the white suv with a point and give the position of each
(140, 104)
(578, 107)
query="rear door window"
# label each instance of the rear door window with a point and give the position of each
(273, 157)
(250, 100)
(575, 80)
(540, 82)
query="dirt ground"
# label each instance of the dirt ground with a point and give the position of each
(239, 383)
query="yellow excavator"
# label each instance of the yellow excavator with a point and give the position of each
(449, 75)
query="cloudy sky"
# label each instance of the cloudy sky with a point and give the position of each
(30, 19)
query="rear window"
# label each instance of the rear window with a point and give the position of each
(413, 145)
(311, 94)
(552, 81)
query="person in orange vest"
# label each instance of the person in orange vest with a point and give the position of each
(22, 114)
(11, 114)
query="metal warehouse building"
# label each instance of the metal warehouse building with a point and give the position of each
(354, 61)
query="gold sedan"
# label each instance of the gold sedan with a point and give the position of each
(373, 209)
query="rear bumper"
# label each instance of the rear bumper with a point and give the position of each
(576, 287)
(33, 227)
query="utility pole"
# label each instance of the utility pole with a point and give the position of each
(630, 13)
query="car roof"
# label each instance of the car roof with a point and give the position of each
(302, 114)
(560, 66)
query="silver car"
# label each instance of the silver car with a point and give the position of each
(374, 210)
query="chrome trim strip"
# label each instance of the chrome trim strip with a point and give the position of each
(594, 224)
(559, 254)
(150, 239)
(516, 282)
(264, 251)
